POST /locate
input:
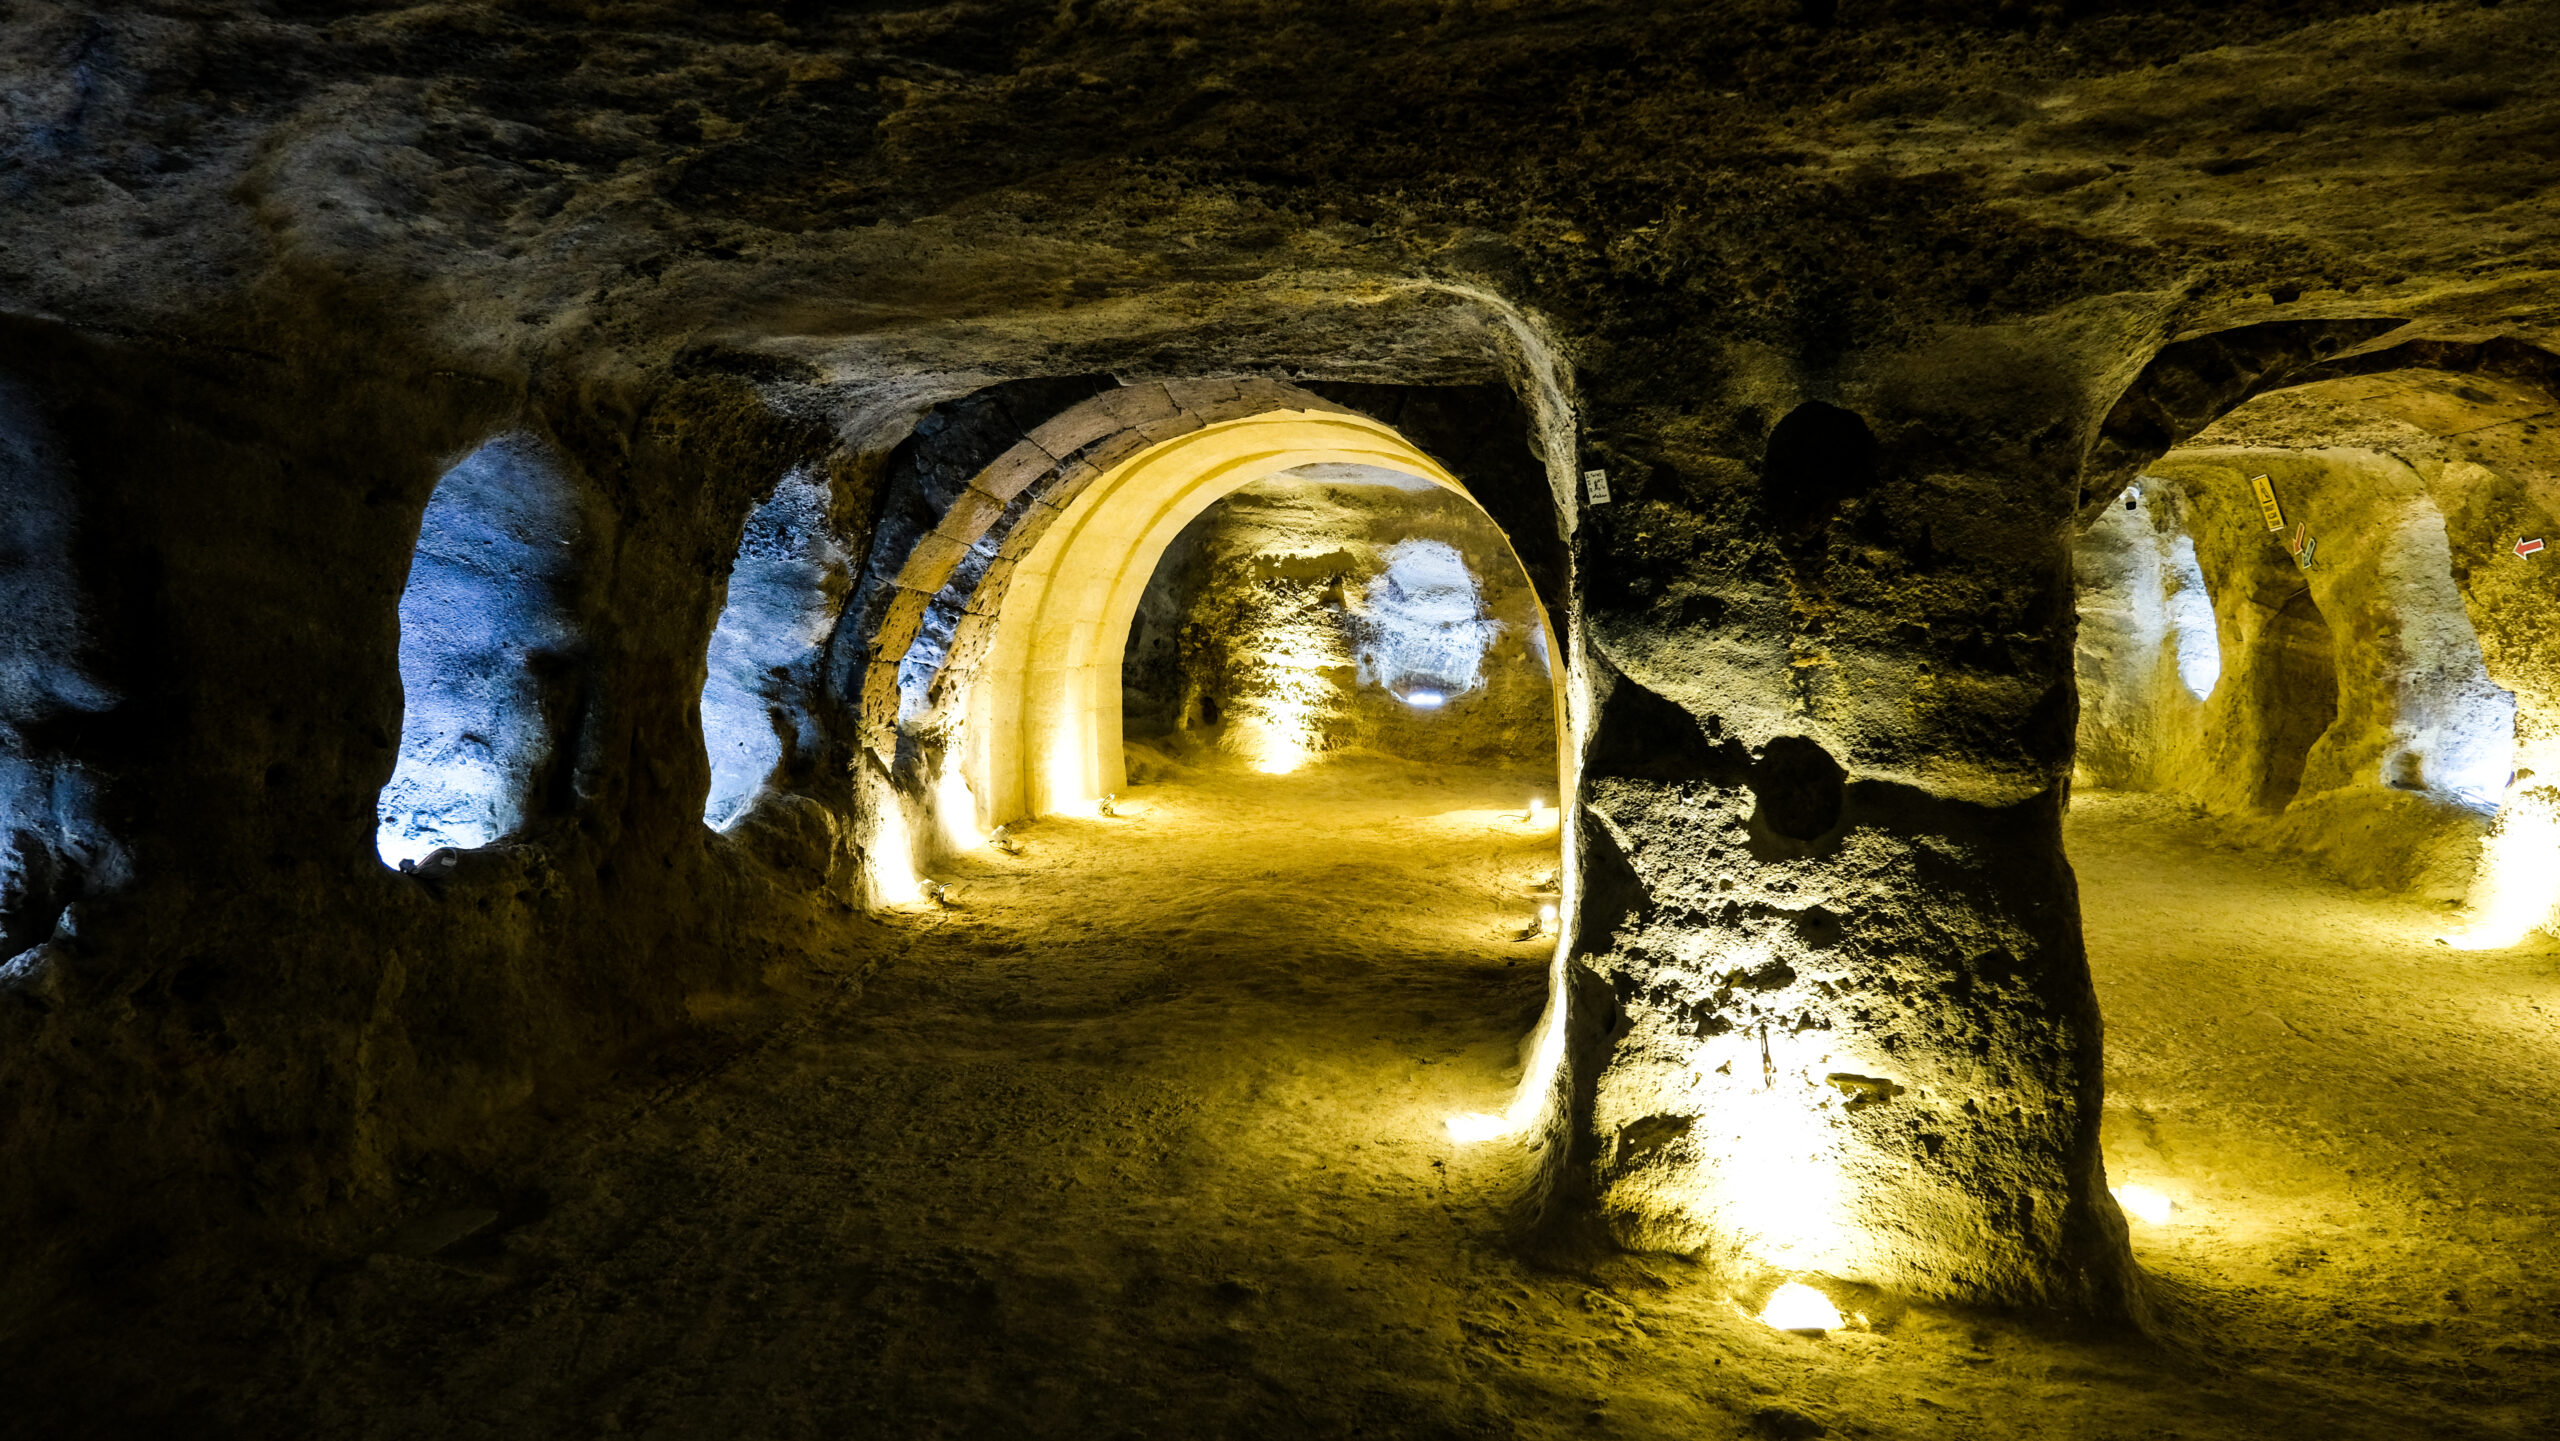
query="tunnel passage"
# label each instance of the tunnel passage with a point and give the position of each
(1036, 573)
(997, 686)
(488, 651)
(758, 695)
(2369, 708)
(1336, 610)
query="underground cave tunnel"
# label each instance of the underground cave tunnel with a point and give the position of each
(1008, 721)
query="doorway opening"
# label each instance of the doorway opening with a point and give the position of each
(489, 653)
(2295, 671)
(1320, 615)
(1276, 647)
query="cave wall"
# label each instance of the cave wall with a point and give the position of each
(2148, 653)
(1283, 607)
(56, 846)
(269, 272)
(255, 1026)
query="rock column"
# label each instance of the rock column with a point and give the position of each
(1853, 1030)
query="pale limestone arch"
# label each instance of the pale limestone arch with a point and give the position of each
(1042, 730)
(1041, 565)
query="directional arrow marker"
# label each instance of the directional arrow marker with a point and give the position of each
(2527, 547)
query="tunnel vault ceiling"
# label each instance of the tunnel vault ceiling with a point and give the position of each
(1790, 345)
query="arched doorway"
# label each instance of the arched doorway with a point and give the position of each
(992, 685)
(997, 662)
(1043, 708)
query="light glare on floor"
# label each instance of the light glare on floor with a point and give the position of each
(1796, 1306)
(2519, 876)
(2145, 1204)
(1475, 1126)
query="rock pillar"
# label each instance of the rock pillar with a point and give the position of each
(1853, 1031)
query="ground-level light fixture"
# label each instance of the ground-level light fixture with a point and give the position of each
(2144, 1204)
(1796, 1306)
(2519, 881)
(1424, 699)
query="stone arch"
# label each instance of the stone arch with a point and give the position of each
(2191, 383)
(991, 688)
(1002, 640)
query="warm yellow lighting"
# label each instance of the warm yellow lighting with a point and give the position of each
(955, 808)
(1065, 760)
(1786, 1198)
(892, 867)
(1536, 808)
(1547, 919)
(1796, 1306)
(1280, 760)
(1537, 1080)
(2145, 1204)
(2519, 878)
(1277, 740)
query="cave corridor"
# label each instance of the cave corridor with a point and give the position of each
(1771, 720)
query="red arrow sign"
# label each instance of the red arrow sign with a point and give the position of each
(2527, 547)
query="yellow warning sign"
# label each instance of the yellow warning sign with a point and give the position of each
(2267, 501)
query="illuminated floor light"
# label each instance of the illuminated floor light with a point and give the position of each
(893, 877)
(956, 807)
(1543, 927)
(1424, 699)
(2145, 1204)
(2519, 872)
(1796, 1306)
(1529, 1100)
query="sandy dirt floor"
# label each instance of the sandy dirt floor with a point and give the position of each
(2355, 1122)
(1144, 1140)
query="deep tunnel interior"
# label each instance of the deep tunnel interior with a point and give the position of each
(989, 720)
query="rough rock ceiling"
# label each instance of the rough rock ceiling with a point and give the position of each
(1020, 186)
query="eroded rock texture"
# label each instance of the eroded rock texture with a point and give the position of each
(1859, 309)
(1343, 610)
